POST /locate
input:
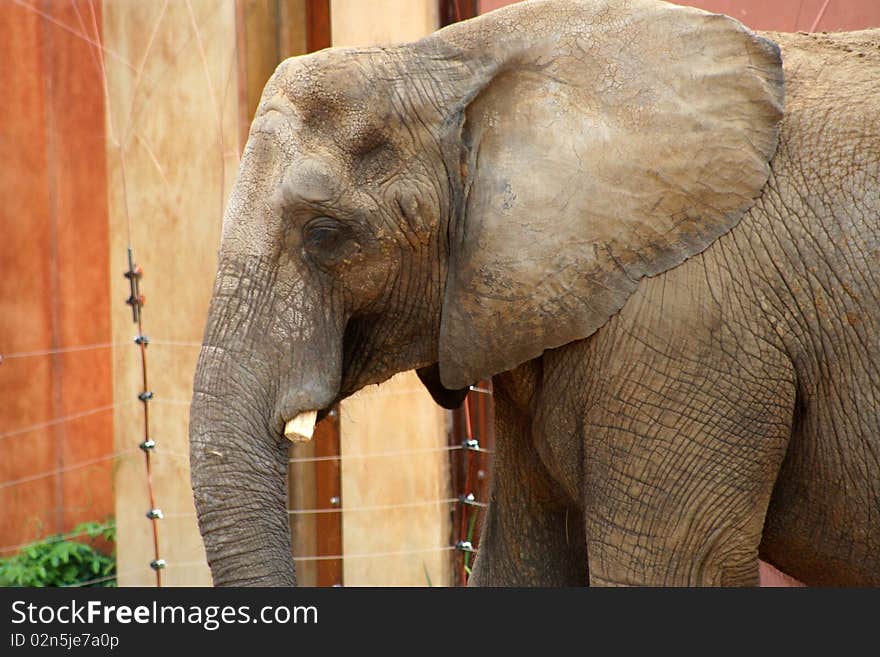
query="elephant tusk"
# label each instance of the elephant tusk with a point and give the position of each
(301, 428)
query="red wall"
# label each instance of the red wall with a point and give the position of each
(53, 272)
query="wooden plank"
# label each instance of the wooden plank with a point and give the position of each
(302, 494)
(315, 484)
(328, 495)
(357, 23)
(258, 49)
(293, 28)
(172, 157)
(452, 11)
(319, 24)
(327, 472)
(408, 479)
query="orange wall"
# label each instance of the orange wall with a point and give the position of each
(53, 271)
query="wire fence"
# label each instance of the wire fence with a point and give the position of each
(60, 420)
(190, 515)
(121, 131)
(356, 509)
(303, 559)
(113, 457)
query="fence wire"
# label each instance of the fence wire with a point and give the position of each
(15, 355)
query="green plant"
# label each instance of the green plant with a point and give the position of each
(59, 561)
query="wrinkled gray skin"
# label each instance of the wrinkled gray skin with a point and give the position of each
(602, 204)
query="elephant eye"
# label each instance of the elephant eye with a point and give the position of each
(322, 234)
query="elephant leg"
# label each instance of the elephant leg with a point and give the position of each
(533, 534)
(682, 451)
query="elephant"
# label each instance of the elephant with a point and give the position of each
(656, 230)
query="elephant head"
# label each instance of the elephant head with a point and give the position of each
(459, 204)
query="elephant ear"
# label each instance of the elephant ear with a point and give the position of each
(600, 142)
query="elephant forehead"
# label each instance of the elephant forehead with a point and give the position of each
(338, 92)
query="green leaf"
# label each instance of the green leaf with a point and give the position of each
(69, 575)
(60, 560)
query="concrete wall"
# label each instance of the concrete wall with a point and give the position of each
(399, 415)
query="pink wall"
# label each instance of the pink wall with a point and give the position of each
(797, 15)
(780, 15)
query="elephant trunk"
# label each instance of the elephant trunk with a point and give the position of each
(267, 365)
(239, 476)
